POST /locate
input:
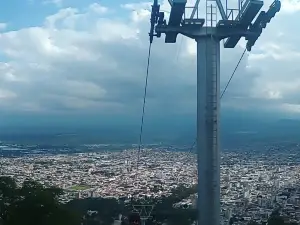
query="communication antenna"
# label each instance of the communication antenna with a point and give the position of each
(208, 33)
(144, 211)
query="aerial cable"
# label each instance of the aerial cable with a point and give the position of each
(144, 105)
(223, 92)
(242, 56)
(157, 17)
(154, 19)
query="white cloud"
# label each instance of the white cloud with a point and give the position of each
(96, 7)
(3, 26)
(84, 59)
(290, 6)
(137, 6)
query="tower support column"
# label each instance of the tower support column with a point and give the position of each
(208, 108)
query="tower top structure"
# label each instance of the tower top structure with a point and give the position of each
(229, 28)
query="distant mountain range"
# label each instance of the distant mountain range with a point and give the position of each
(235, 131)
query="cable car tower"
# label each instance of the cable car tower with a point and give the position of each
(208, 32)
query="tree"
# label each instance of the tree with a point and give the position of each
(275, 219)
(32, 204)
(7, 196)
(107, 208)
(253, 223)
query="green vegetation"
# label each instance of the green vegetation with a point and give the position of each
(32, 204)
(79, 188)
(274, 219)
(109, 209)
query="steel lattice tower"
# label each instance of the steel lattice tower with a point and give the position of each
(208, 33)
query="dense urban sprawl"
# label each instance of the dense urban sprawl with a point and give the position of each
(253, 183)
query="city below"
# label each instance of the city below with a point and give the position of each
(253, 183)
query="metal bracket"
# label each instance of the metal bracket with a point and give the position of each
(157, 18)
(197, 30)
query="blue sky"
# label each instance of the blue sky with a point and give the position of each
(89, 58)
(28, 13)
(19, 14)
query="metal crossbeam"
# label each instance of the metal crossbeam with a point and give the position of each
(195, 9)
(221, 9)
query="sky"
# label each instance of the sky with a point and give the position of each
(65, 59)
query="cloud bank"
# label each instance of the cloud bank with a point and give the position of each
(93, 59)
